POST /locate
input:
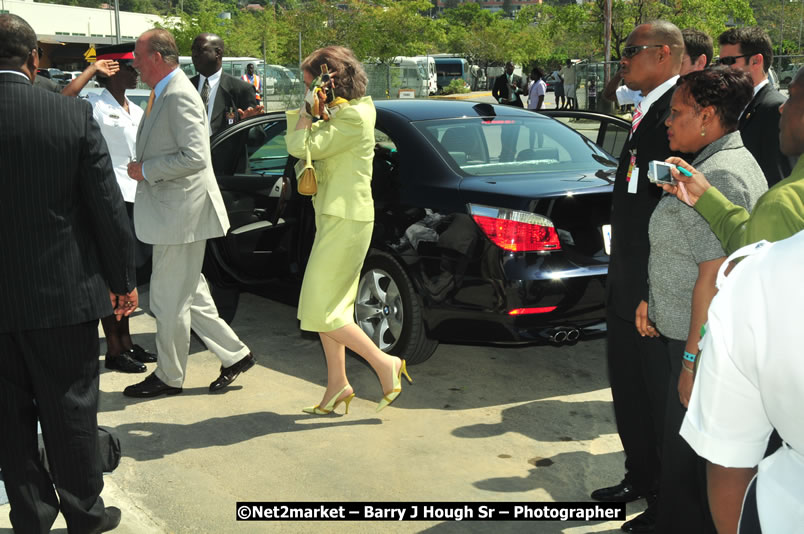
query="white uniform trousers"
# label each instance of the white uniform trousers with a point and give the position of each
(180, 300)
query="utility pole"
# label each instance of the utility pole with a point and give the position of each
(607, 41)
(607, 53)
(781, 32)
(264, 70)
(117, 21)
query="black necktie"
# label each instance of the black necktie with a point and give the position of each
(205, 92)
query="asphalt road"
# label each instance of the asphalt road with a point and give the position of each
(480, 424)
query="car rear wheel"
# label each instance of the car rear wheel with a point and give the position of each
(389, 311)
(226, 300)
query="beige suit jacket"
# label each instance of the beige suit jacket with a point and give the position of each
(179, 200)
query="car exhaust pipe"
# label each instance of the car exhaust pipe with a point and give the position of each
(561, 334)
(558, 337)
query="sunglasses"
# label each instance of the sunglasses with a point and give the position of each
(731, 60)
(631, 51)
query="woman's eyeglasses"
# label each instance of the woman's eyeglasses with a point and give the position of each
(730, 60)
(631, 51)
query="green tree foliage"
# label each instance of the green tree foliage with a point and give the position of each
(784, 22)
(544, 34)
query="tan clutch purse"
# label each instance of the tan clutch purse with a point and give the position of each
(306, 181)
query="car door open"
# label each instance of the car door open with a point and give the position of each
(250, 161)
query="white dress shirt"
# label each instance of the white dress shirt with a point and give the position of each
(119, 130)
(750, 379)
(214, 82)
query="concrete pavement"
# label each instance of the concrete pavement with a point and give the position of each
(480, 424)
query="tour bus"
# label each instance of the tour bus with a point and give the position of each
(429, 66)
(451, 68)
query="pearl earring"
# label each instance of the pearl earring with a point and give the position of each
(703, 131)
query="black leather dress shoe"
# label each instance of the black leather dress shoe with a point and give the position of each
(112, 519)
(142, 355)
(150, 387)
(124, 363)
(228, 374)
(644, 522)
(622, 492)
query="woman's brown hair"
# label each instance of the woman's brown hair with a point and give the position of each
(350, 78)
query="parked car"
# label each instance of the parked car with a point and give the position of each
(773, 78)
(57, 75)
(137, 96)
(786, 76)
(278, 79)
(471, 242)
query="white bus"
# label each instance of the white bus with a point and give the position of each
(412, 75)
(429, 66)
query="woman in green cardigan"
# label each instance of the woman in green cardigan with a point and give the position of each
(342, 149)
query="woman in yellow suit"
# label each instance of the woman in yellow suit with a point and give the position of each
(342, 149)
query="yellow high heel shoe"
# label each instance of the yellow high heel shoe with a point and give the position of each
(332, 404)
(390, 397)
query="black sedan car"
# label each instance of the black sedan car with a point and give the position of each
(492, 224)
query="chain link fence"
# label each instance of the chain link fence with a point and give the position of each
(384, 82)
(591, 80)
(785, 69)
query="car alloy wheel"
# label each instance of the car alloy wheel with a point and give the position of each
(379, 311)
(389, 311)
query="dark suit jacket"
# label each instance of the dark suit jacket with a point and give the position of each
(627, 281)
(759, 127)
(233, 94)
(501, 90)
(47, 84)
(65, 236)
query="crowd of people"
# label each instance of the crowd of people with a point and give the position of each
(699, 378)
(129, 196)
(689, 450)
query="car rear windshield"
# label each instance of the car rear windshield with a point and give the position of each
(512, 145)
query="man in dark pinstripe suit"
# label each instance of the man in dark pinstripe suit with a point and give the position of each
(66, 248)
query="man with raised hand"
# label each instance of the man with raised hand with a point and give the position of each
(226, 99)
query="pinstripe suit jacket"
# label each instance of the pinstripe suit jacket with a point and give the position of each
(64, 235)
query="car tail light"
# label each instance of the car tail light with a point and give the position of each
(528, 311)
(517, 231)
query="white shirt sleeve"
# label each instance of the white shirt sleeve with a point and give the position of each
(726, 421)
(626, 96)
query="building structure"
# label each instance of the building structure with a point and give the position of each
(66, 33)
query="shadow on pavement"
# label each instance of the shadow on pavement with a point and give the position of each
(567, 421)
(150, 441)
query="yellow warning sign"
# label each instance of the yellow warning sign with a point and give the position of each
(89, 55)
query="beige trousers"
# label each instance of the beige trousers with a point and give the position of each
(180, 300)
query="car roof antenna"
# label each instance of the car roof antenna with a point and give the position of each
(484, 109)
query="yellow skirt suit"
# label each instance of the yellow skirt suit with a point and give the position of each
(342, 150)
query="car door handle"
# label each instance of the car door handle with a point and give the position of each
(259, 213)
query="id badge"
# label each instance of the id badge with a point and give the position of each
(633, 174)
(230, 117)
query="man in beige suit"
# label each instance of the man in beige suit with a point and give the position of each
(178, 207)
